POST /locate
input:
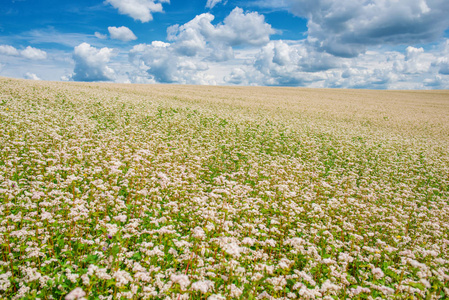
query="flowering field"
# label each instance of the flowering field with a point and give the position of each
(170, 192)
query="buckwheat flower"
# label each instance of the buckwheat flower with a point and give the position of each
(198, 232)
(173, 252)
(360, 290)
(345, 257)
(328, 261)
(277, 282)
(112, 229)
(182, 280)
(85, 279)
(120, 218)
(216, 297)
(235, 292)
(329, 287)
(256, 276)
(306, 277)
(232, 249)
(377, 273)
(264, 295)
(203, 286)
(122, 278)
(77, 293)
(295, 242)
(4, 281)
(306, 293)
(271, 242)
(248, 241)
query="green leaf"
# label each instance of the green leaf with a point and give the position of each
(137, 256)
(115, 249)
(417, 285)
(91, 259)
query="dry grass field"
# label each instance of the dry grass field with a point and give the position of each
(118, 191)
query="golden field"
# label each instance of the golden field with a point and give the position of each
(120, 191)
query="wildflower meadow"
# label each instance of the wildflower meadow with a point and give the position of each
(112, 191)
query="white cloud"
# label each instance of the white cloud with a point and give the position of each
(347, 28)
(238, 50)
(238, 29)
(211, 3)
(33, 53)
(31, 76)
(290, 64)
(122, 33)
(91, 63)
(29, 52)
(138, 9)
(296, 63)
(443, 64)
(101, 36)
(241, 28)
(197, 46)
(8, 50)
(160, 62)
(200, 52)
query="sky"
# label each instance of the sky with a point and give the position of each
(373, 44)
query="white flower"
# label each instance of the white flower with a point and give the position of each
(235, 291)
(120, 218)
(306, 293)
(112, 229)
(377, 272)
(4, 281)
(182, 280)
(360, 290)
(77, 293)
(232, 249)
(295, 242)
(248, 241)
(256, 277)
(216, 297)
(199, 233)
(264, 295)
(329, 287)
(271, 242)
(122, 278)
(345, 257)
(203, 286)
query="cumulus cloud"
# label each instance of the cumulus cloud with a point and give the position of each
(163, 65)
(141, 10)
(238, 28)
(33, 53)
(347, 28)
(196, 45)
(297, 63)
(239, 51)
(122, 33)
(8, 50)
(31, 76)
(211, 3)
(284, 63)
(91, 63)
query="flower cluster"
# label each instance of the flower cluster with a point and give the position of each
(164, 192)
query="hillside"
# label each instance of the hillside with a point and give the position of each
(189, 192)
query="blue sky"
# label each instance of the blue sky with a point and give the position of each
(381, 44)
